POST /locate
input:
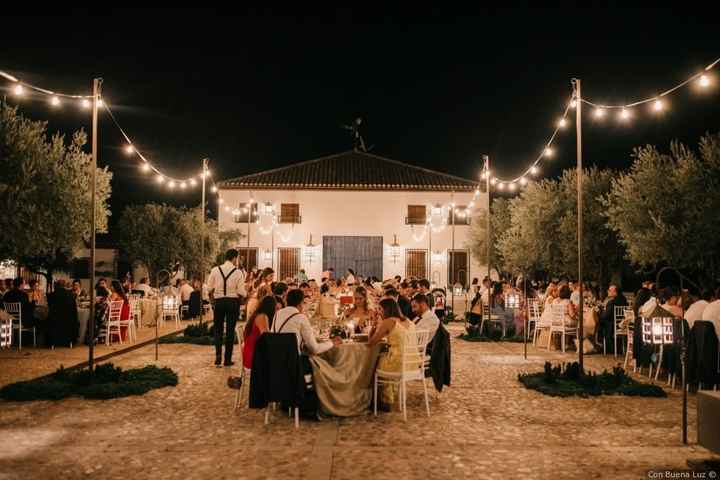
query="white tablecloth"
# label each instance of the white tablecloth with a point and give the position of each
(83, 317)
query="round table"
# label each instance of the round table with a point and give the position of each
(343, 378)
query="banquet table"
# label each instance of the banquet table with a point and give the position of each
(343, 378)
(83, 317)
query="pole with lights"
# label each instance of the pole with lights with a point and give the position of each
(578, 133)
(97, 85)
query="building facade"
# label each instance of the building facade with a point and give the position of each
(355, 210)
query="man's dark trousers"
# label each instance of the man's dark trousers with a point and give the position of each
(226, 313)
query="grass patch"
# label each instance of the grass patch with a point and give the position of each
(108, 381)
(557, 381)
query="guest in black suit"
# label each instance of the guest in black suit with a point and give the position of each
(16, 295)
(607, 316)
(63, 325)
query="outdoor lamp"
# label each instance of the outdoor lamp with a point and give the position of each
(310, 250)
(512, 300)
(395, 249)
(458, 289)
(268, 254)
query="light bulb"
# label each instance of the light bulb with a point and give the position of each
(192, 182)
(501, 186)
(208, 173)
(227, 209)
(493, 181)
(160, 178)
(599, 113)
(512, 187)
(562, 123)
(183, 185)
(523, 180)
(534, 169)
(214, 189)
(573, 103)
(145, 167)
(549, 152)
(471, 204)
(55, 101)
(483, 175)
(99, 103)
(624, 114)
(171, 184)
(704, 81)
(85, 103)
(19, 90)
(129, 149)
(658, 105)
(220, 201)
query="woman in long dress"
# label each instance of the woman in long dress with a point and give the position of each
(396, 328)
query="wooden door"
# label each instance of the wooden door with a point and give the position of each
(363, 254)
(249, 261)
(458, 267)
(416, 263)
(289, 262)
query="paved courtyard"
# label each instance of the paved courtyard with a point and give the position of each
(485, 426)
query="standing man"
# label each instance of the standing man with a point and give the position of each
(226, 284)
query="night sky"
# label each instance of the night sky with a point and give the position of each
(254, 90)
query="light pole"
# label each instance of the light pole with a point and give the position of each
(487, 227)
(578, 133)
(97, 85)
(202, 237)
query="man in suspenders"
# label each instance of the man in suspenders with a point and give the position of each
(227, 287)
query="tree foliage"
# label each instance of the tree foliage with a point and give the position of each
(499, 223)
(45, 193)
(161, 235)
(664, 208)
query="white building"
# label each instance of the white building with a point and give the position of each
(355, 210)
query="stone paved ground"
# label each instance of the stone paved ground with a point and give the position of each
(485, 426)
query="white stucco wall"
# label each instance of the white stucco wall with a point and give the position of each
(353, 213)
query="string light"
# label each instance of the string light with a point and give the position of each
(220, 201)
(145, 167)
(658, 105)
(704, 81)
(523, 180)
(160, 178)
(171, 184)
(54, 101)
(214, 189)
(573, 104)
(501, 186)
(534, 169)
(19, 90)
(193, 183)
(599, 113)
(85, 103)
(549, 152)
(129, 149)
(562, 122)
(624, 114)
(511, 187)
(493, 181)
(183, 185)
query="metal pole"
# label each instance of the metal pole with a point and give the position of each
(202, 238)
(429, 230)
(452, 250)
(247, 252)
(93, 208)
(487, 227)
(578, 131)
(527, 315)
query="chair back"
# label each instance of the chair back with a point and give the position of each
(422, 339)
(139, 293)
(557, 312)
(169, 304)
(413, 355)
(629, 317)
(115, 311)
(619, 315)
(14, 309)
(534, 309)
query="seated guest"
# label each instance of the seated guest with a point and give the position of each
(396, 327)
(77, 290)
(36, 295)
(301, 276)
(606, 331)
(696, 309)
(144, 287)
(712, 312)
(63, 325)
(101, 289)
(497, 305)
(118, 295)
(641, 298)
(669, 300)
(27, 308)
(425, 318)
(424, 288)
(291, 319)
(280, 289)
(258, 323)
(571, 314)
(360, 313)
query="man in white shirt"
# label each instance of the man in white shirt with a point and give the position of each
(185, 291)
(697, 308)
(712, 313)
(143, 286)
(426, 318)
(227, 287)
(291, 319)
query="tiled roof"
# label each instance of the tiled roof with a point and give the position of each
(352, 170)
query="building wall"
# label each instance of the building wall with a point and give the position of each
(353, 213)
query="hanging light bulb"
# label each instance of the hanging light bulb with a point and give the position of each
(100, 103)
(160, 178)
(523, 180)
(19, 90)
(183, 185)
(549, 152)
(483, 175)
(534, 169)
(129, 149)
(214, 189)
(658, 105)
(501, 186)
(208, 173)
(193, 182)
(171, 184)
(145, 167)
(477, 192)
(562, 123)
(85, 103)
(704, 81)
(493, 181)
(573, 103)
(599, 112)
(54, 101)
(624, 114)
(220, 201)
(227, 209)
(511, 187)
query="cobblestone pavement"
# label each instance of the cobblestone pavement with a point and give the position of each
(485, 426)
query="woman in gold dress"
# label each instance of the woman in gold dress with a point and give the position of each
(396, 328)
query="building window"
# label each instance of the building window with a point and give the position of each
(416, 215)
(248, 256)
(461, 217)
(290, 213)
(242, 216)
(289, 263)
(416, 263)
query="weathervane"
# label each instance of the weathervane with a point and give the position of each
(358, 142)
